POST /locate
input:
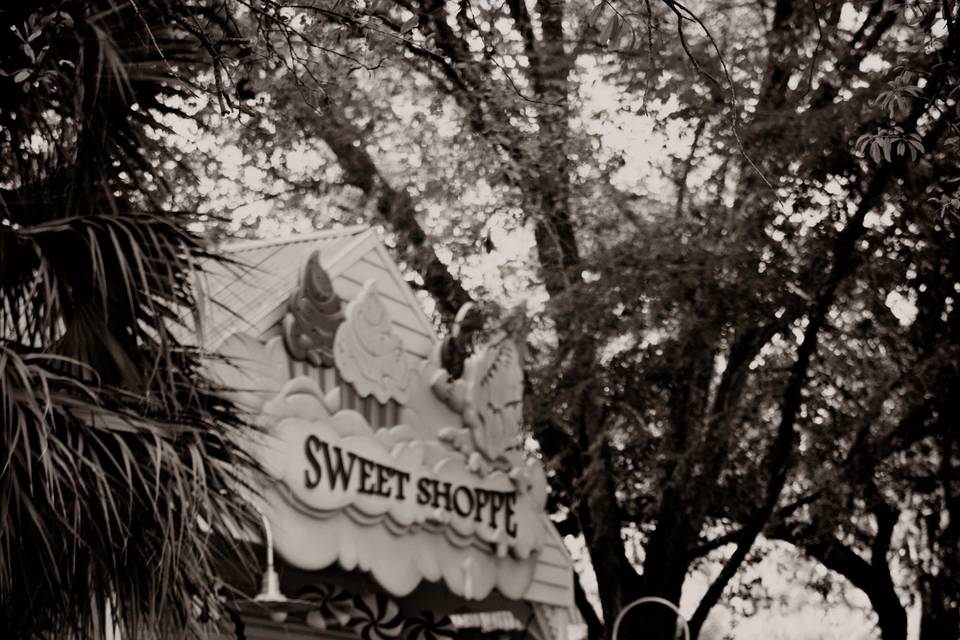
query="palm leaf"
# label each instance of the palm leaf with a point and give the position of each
(123, 468)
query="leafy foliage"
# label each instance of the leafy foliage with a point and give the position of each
(753, 336)
(122, 472)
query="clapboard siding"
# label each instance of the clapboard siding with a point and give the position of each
(553, 576)
(358, 274)
(251, 296)
(405, 324)
(552, 556)
(549, 594)
(364, 269)
(417, 345)
(241, 296)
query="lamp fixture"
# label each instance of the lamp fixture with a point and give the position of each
(270, 594)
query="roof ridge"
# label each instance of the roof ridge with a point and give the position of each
(246, 245)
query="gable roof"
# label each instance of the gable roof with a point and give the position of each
(251, 295)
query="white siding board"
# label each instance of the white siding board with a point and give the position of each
(406, 291)
(372, 254)
(552, 581)
(363, 270)
(405, 324)
(553, 559)
(550, 574)
(400, 310)
(548, 594)
(373, 258)
(351, 287)
(415, 344)
(262, 278)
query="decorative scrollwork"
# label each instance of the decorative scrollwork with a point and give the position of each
(489, 396)
(427, 626)
(376, 617)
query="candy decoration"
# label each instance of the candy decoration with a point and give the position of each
(313, 315)
(368, 353)
(427, 627)
(334, 606)
(376, 617)
(489, 395)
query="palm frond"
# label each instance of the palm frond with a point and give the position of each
(123, 468)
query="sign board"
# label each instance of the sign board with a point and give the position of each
(384, 462)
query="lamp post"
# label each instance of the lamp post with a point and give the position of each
(270, 593)
(650, 600)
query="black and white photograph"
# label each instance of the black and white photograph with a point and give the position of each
(480, 319)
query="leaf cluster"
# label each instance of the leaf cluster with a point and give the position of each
(123, 473)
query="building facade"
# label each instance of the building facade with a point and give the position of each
(398, 500)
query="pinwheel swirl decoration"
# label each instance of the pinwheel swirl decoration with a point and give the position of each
(427, 627)
(334, 606)
(376, 617)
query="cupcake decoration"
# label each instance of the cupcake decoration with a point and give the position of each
(313, 314)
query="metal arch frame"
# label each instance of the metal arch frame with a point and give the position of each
(650, 600)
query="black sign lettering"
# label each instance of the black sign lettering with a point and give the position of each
(338, 472)
(467, 503)
(366, 473)
(310, 448)
(402, 477)
(445, 494)
(511, 526)
(423, 490)
(495, 508)
(496, 503)
(383, 475)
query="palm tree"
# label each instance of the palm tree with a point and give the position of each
(120, 469)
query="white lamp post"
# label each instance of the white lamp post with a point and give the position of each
(650, 600)
(270, 593)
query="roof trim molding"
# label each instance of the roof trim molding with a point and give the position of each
(246, 245)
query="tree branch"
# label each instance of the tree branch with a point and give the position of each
(843, 263)
(395, 208)
(688, 165)
(587, 612)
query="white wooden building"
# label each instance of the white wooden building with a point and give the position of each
(398, 501)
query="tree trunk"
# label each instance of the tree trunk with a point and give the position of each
(600, 521)
(940, 619)
(587, 612)
(395, 207)
(664, 572)
(874, 580)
